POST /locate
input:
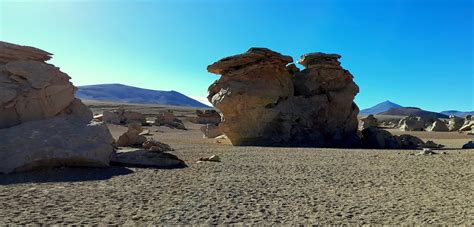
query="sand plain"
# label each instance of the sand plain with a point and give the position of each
(252, 185)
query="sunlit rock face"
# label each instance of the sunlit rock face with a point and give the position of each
(42, 124)
(265, 102)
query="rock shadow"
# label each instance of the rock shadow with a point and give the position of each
(59, 175)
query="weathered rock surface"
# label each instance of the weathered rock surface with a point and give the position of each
(455, 123)
(412, 123)
(168, 119)
(12, 52)
(437, 126)
(263, 104)
(210, 131)
(58, 141)
(369, 121)
(132, 136)
(41, 123)
(207, 117)
(468, 124)
(121, 117)
(145, 158)
(32, 90)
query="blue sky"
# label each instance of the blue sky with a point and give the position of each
(414, 53)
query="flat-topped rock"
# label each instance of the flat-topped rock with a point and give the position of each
(318, 58)
(253, 56)
(11, 52)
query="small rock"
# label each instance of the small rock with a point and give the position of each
(145, 133)
(213, 158)
(426, 151)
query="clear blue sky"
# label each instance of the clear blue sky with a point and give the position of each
(414, 53)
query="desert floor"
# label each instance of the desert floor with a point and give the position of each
(253, 185)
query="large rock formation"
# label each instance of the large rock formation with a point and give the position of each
(41, 123)
(263, 104)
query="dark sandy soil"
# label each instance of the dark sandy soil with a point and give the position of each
(252, 185)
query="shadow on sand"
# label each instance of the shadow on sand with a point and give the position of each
(64, 175)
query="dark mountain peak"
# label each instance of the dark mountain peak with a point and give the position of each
(128, 94)
(379, 108)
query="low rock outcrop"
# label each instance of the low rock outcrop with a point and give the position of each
(123, 117)
(375, 138)
(369, 121)
(168, 119)
(437, 126)
(412, 123)
(156, 146)
(146, 158)
(455, 123)
(132, 136)
(468, 124)
(41, 123)
(263, 104)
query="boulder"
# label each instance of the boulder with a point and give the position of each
(155, 146)
(369, 121)
(168, 119)
(455, 123)
(468, 124)
(121, 117)
(374, 138)
(132, 136)
(210, 131)
(265, 103)
(32, 90)
(213, 158)
(437, 126)
(52, 142)
(207, 117)
(412, 123)
(37, 105)
(145, 158)
(468, 145)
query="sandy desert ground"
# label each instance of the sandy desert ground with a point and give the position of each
(252, 185)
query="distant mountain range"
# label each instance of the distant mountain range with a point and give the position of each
(457, 113)
(406, 111)
(390, 108)
(379, 108)
(127, 94)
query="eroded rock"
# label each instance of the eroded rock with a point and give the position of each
(41, 123)
(168, 119)
(132, 136)
(263, 104)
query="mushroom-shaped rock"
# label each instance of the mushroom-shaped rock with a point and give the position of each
(263, 104)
